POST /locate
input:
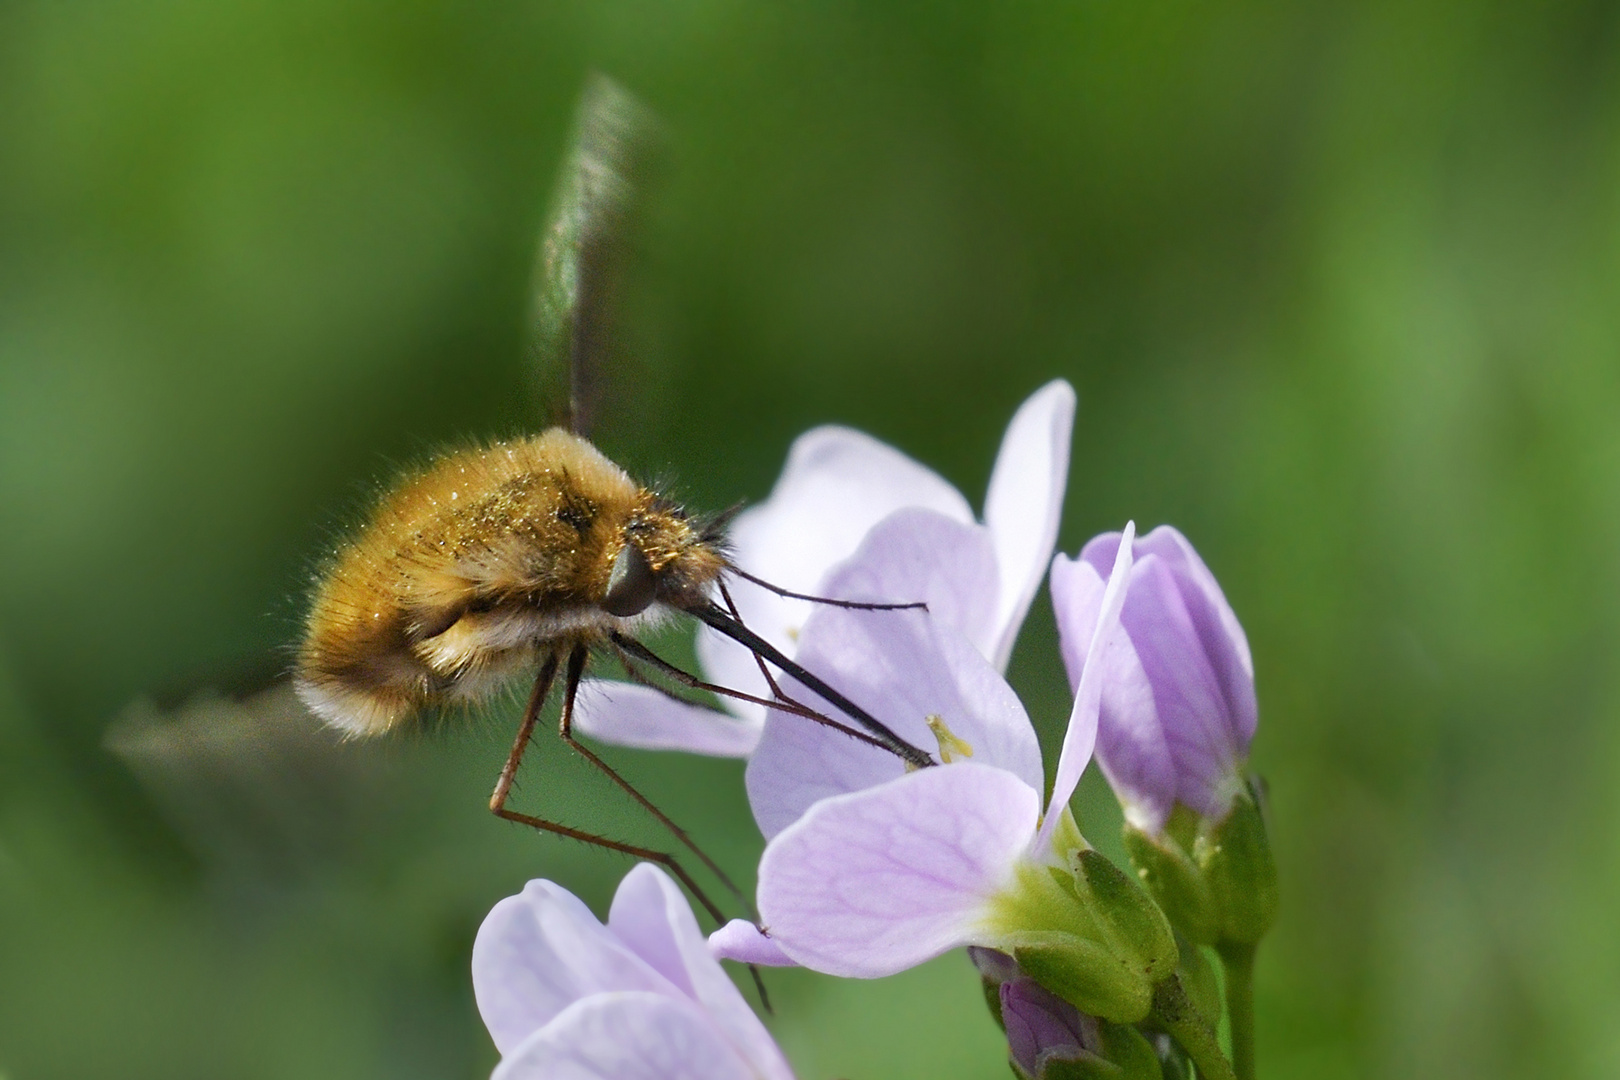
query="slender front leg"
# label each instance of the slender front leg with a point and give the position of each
(537, 701)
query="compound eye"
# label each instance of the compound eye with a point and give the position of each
(631, 584)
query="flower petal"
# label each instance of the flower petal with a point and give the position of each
(1131, 746)
(1190, 712)
(1081, 735)
(541, 950)
(922, 556)
(741, 940)
(1025, 503)
(652, 917)
(836, 485)
(1178, 708)
(903, 669)
(626, 714)
(627, 1036)
(1216, 626)
(872, 883)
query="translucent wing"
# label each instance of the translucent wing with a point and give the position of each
(254, 784)
(584, 248)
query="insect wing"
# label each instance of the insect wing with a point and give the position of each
(254, 784)
(584, 248)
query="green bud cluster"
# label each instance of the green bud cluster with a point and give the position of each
(1215, 880)
(1134, 953)
(1089, 933)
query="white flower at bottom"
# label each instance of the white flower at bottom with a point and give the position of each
(640, 998)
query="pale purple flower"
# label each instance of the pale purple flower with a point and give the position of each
(640, 998)
(872, 869)
(1178, 703)
(837, 485)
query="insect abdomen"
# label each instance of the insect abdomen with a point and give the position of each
(464, 575)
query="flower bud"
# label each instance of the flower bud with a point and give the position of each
(1175, 881)
(1049, 1039)
(1197, 975)
(1088, 933)
(1178, 704)
(1215, 881)
(1236, 860)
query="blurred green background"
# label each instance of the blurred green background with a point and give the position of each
(1339, 287)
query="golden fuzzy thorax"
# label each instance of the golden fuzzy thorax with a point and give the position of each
(479, 567)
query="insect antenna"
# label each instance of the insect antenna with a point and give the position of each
(857, 605)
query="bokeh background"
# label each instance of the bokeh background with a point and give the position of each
(1338, 285)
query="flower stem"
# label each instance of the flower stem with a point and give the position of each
(1237, 959)
(1173, 1011)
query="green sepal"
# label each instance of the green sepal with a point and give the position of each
(1127, 947)
(1087, 931)
(1076, 1069)
(1199, 978)
(1175, 881)
(1241, 873)
(1127, 1048)
(1086, 1068)
(1130, 920)
(1084, 973)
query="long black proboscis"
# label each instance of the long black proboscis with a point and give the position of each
(714, 616)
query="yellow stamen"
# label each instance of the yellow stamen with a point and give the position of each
(949, 745)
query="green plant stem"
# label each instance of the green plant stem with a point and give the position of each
(1238, 961)
(1173, 1011)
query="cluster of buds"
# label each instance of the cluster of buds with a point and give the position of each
(873, 866)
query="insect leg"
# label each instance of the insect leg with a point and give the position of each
(776, 689)
(629, 647)
(576, 669)
(537, 699)
(503, 787)
(717, 617)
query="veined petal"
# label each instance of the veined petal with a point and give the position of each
(903, 669)
(626, 714)
(922, 556)
(1024, 504)
(878, 881)
(627, 1036)
(1130, 745)
(740, 940)
(652, 917)
(1190, 709)
(1178, 708)
(1081, 735)
(540, 951)
(836, 485)
(1216, 627)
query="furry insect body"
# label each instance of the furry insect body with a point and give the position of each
(484, 565)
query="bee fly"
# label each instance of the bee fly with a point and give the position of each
(530, 555)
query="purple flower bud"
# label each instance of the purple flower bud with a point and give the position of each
(1042, 1026)
(1178, 705)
